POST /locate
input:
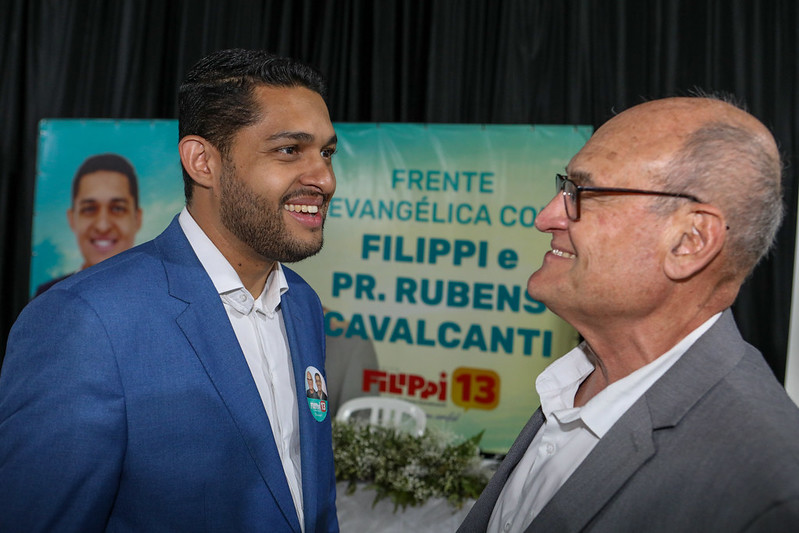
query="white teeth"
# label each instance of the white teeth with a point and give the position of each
(561, 253)
(301, 208)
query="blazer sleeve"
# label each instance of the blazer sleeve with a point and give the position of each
(62, 419)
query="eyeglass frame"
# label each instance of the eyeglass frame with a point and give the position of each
(561, 181)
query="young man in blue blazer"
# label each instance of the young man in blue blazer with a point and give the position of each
(164, 389)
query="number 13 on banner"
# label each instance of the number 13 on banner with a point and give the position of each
(475, 388)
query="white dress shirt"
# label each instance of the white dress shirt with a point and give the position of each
(258, 324)
(570, 433)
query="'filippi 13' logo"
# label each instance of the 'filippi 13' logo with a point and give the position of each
(472, 388)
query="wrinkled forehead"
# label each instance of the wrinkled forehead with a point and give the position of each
(620, 156)
(636, 145)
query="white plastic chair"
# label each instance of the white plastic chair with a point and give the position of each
(386, 412)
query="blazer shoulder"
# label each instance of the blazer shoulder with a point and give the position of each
(136, 276)
(123, 272)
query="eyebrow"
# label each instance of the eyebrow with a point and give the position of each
(300, 136)
(116, 199)
(580, 177)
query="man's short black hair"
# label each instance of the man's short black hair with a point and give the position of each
(111, 163)
(216, 98)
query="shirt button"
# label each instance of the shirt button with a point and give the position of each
(507, 526)
(242, 298)
(550, 448)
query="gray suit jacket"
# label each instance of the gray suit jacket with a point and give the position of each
(713, 445)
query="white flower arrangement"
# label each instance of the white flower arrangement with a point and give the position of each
(408, 469)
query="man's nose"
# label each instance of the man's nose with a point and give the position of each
(321, 176)
(553, 216)
(103, 221)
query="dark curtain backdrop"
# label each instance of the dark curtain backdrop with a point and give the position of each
(465, 61)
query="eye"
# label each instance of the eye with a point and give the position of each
(328, 153)
(289, 150)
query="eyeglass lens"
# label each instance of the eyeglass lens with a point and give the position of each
(569, 191)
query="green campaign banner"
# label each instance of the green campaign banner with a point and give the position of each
(428, 247)
(429, 243)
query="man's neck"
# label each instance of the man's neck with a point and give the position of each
(619, 350)
(252, 269)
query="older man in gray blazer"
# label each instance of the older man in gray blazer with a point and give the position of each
(663, 419)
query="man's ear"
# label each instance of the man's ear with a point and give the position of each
(699, 239)
(200, 159)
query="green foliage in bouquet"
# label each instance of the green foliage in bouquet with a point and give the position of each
(405, 468)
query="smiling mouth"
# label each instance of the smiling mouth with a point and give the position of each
(561, 253)
(302, 208)
(104, 244)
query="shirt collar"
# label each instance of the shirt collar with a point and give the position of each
(224, 276)
(558, 384)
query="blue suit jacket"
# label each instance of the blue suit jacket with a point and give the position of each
(126, 404)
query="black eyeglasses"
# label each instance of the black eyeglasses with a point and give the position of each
(571, 194)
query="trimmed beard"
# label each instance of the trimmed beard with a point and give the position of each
(259, 224)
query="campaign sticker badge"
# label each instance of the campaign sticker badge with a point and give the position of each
(316, 392)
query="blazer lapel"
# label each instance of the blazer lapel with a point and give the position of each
(480, 514)
(207, 328)
(613, 460)
(629, 443)
(308, 458)
(302, 315)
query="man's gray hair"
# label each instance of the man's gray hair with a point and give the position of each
(736, 170)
